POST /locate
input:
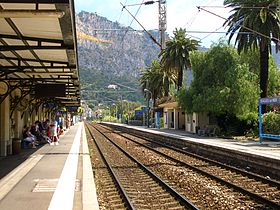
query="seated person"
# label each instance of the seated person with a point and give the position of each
(28, 138)
(45, 138)
(206, 130)
(41, 136)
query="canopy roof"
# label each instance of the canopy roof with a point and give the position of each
(38, 45)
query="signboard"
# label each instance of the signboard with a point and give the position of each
(59, 113)
(138, 112)
(50, 105)
(145, 108)
(3, 88)
(50, 90)
(72, 108)
(273, 100)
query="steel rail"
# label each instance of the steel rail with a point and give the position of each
(245, 173)
(114, 176)
(168, 145)
(240, 189)
(182, 199)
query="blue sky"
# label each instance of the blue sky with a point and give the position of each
(180, 13)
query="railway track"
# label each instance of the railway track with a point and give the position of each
(264, 191)
(132, 185)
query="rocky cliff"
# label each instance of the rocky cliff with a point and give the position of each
(117, 62)
(128, 52)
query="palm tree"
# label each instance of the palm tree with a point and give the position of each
(155, 80)
(258, 23)
(175, 57)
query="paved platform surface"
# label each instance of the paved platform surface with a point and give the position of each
(50, 177)
(270, 149)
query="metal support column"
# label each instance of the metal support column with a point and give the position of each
(260, 122)
(162, 22)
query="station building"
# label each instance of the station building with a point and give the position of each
(174, 117)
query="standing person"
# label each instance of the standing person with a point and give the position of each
(53, 131)
(58, 132)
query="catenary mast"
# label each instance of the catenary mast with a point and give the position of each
(162, 22)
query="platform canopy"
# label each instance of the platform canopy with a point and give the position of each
(38, 46)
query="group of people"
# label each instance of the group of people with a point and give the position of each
(41, 133)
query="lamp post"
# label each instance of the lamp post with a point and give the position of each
(116, 87)
(115, 111)
(148, 104)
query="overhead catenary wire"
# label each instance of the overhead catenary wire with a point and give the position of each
(245, 27)
(217, 32)
(150, 35)
(121, 13)
(132, 19)
(195, 37)
(243, 7)
(211, 33)
(143, 2)
(192, 19)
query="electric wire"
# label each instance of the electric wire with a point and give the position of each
(211, 33)
(192, 19)
(121, 13)
(242, 7)
(217, 32)
(131, 20)
(195, 37)
(190, 22)
(150, 35)
(245, 27)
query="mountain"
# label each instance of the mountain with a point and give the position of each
(120, 61)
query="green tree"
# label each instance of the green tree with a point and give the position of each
(222, 84)
(175, 57)
(258, 24)
(273, 79)
(251, 58)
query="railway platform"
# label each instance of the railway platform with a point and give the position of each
(50, 177)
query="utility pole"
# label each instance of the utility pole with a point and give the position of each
(162, 22)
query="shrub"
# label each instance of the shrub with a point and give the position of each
(109, 119)
(271, 123)
(161, 122)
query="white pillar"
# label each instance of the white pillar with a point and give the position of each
(176, 119)
(195, 121)
(17, 118)
(34, 116)
(5, 142)
(18, 124)
(41, 113)
(165, 118)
